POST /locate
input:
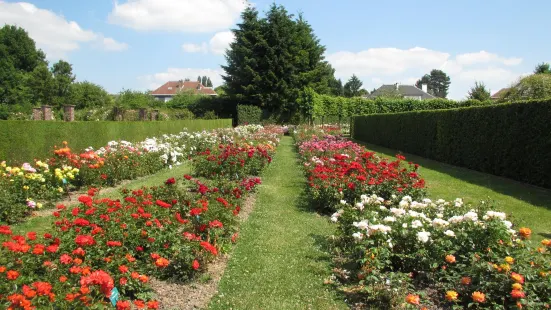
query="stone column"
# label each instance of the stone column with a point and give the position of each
(37, 114)
(69, 113)
(47, 112)
(142, 114)
(154, 115)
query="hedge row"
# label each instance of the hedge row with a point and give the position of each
(25, 140)
(511, 140)
(317, 106)
(248, 114)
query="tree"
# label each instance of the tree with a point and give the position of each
(542, 68)
(63, 78)
(535, 86)
(134, 99)
(42, 83)
(204, 80)
(273, 59)
(21, 49)
(199, 79)
(335, 87)
(438, 83)
(479, 92)
(209, 82)
(89, 95)
(352, 87)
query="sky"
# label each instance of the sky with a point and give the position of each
(141, 44)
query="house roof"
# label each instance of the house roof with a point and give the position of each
(500, 93)
(404, 90)
(171, 88)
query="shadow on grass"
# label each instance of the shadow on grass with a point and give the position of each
(532, 194)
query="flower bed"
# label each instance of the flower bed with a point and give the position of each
(28, 187)
(398, 249)
(169, 232)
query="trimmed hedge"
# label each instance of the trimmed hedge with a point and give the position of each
(25, 140)
(318, 106)
(249, 114)
(511, 140)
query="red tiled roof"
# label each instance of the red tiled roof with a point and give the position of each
(173, 87)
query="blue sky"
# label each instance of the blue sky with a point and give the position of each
(141, 44)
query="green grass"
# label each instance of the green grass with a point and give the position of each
(529, 205)
(280, 261)
(43, 224)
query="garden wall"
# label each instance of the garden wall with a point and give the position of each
(24, 140)
(511, 140)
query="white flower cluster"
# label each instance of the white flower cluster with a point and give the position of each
(425, 220)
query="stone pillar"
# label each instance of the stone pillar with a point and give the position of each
(47, 112)
(154, 115)
(69, 113)
(142, 114)
(37, 114)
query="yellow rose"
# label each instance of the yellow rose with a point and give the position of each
(26, 187)
(38, 205)
(509, 260)
(60, 189)
(505, 267)
(517, 286)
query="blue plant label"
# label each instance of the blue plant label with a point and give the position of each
(64, 181)
(114, 296)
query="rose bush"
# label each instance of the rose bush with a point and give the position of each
(169, 232)
(395, 248)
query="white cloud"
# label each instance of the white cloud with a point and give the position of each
(221, 41)
(195, 48)
(109, 44)
(377, 66)
(217, 44)
(153, 81)
(386, 61)
(52, 32)
(177, 15)
(485, 57)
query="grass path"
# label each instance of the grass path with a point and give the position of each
(279, 262)
(43, 223)
(529, 205)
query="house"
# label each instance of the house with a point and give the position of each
(408, 91)
(499, 94)
(171, 88)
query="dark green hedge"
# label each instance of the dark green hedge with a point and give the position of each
(511, 140)
(25, 140)
(248, 114)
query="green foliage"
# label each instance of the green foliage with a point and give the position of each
(438, 83)
(542, 68)
(248, 114)
(535, 86)
(352, 87)
(63, 78)
(273, 58)
(475, 137)
(89, 95)
(134, 99)
(318, 106)
(210, 115)
(479, 92)
(23, 140)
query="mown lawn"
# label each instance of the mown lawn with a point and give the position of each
(279, 261)
(528, 205)
(43, 224)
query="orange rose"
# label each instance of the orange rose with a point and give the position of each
(518, 278)
(413, 299)
(546, 242)
(517, 286)
(450, 259)
(451, 295)
(478, 297)
(12, 275)
(525, 232)
(517, 294)
(466, 280)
